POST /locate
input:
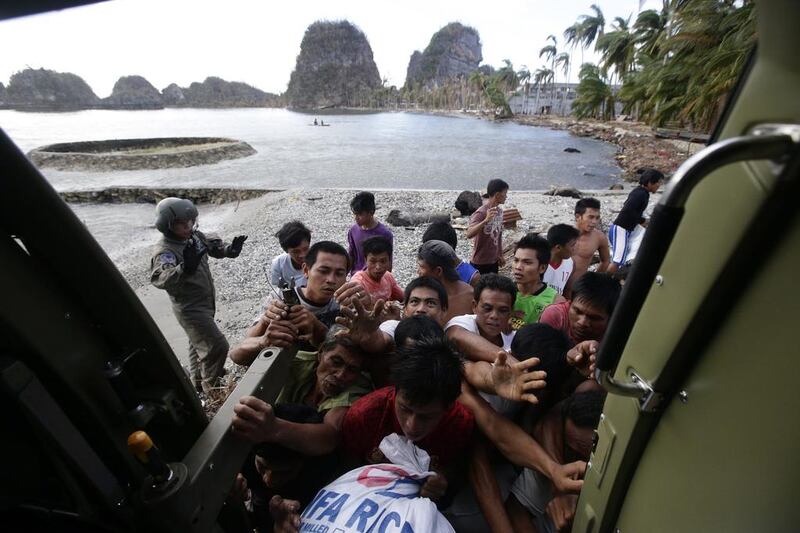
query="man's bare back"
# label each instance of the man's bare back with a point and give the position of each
(459, 297)
(585, 247)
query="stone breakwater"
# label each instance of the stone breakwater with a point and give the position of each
(141, 195)
(137, 154)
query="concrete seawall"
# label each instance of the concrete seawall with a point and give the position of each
(142, 195)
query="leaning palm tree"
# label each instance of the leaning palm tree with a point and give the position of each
(592, 27)
(524, 78)
(562, 60)
(542, 76)
(618, 49)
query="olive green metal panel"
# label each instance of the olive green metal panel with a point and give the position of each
(727, 459)
(717, 213)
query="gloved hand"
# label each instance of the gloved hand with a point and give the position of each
(192, 257)
(235, 248)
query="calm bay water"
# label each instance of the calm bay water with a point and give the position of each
(375, 151)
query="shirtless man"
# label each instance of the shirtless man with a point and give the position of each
(590, 240)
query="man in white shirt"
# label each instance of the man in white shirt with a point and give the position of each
(295, 240)
(561, 239)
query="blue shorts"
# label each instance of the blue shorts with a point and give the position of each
(618, 238)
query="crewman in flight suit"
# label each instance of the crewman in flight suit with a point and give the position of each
(180, 266)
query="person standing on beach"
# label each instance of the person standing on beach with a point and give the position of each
(631, 214)
(295, 240)
(363, 207)
(590, 240)
(559, 273)
(486, 229)
(180, 267)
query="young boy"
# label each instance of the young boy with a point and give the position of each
(561, 239)
(295, 239)
(632, 213)
(486, 229)
(376, 279)
(531, 258)
(363, 207)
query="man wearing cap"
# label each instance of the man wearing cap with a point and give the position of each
(486, 229)
(438, 260)
(180, 267)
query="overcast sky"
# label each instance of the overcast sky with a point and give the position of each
(257, 41)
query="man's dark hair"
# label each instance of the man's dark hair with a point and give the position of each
(650, 176)
(441, 231)
(426, 371)
(495, 282)
(337, 336)
(377, 245)
(532, 241)
(363, 202)
(561, 234)
(584, 408)
(292, 234)
(434, 259)
(586, 203)
(417, 327)
(428, 283)
(547, 343)
(327, 247)
(599, 290)
(495, 186)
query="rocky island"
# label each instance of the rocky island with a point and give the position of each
(454, 51)
(335, 68)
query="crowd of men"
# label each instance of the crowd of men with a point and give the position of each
(491, 375)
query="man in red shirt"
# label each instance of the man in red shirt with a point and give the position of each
(585, 317)
(422, 406)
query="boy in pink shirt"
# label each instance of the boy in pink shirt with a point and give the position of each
(376, 277)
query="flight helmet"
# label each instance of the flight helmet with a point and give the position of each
(169, 210)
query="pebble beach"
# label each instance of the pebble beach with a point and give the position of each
(241, 283)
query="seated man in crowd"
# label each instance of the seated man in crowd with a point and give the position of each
(307, 322)
(328, 382)
(424, 296)
(376, 277)
(586, 316)
(558, 275)
(590, 240)
(566, 433)
(531, 258)
(443, 231)
(436, 259)
(294, 239)
(478, 336)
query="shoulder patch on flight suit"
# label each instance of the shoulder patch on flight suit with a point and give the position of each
(167, 258)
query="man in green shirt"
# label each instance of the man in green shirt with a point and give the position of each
(330, 380)
(531, 256)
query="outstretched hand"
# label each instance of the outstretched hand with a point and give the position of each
(253, 420)
(583, 357)
(235, 247)
(514, 380)
(359, 321)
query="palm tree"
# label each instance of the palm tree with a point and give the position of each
(573, 36)
(562, 60)
(550, 52)
(618, 48)
(591, 27)
(542, 76)
(593, 93)
(524, 77)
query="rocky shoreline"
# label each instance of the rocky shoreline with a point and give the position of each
(637, 144)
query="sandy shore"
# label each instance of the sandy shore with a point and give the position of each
(241, 282)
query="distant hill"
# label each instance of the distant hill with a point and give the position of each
(335, 67)
(216, 92)
(134, 92)
(48, 90)
(454, 51)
